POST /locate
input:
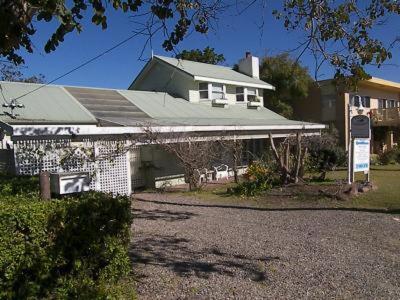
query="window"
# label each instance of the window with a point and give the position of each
(203, 89)
(381, 103)
(391, 103)
(365, 101)
(218, 91)
(398, 103)
(251, 94)
(240, 94)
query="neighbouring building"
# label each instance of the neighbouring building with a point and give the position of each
(169, 95)
(380, 98)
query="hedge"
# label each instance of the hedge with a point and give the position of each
(59, 249)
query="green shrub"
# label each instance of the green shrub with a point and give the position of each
(324, 153)
(69, 248)
(258, 178)
(375, 160)
(19, 185)
(390, 157)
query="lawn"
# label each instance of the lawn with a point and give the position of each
(386, 197)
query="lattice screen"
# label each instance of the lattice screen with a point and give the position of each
(109, 171)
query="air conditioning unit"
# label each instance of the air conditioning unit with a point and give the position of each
(254, 104)
(69, 182)
(220, 102)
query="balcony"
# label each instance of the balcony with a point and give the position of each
(385, 116)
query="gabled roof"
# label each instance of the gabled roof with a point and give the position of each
(210, 73)
(53, 104)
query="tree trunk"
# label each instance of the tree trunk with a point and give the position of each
(298, 158)
(44, 182)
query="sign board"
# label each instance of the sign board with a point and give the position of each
(360, 127)
(361, 155)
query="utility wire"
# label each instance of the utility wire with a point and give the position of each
(81, 65)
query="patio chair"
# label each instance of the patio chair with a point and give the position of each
(221, 172)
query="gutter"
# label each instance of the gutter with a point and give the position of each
(87, 130)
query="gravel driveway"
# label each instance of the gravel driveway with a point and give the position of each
(187, 249)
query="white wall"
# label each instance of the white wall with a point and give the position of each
(194, 95)
(163, 78)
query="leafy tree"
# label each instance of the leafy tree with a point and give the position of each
(340, 33)
(290, 79)
(18, 19)
(208, 56)
(9, 72)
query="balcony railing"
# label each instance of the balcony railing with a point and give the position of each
(386, 116)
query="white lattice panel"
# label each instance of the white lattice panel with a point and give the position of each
(109, 171)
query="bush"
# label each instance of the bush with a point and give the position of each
(258, 178)
(70, 248)
(390, 157)
(324, 153)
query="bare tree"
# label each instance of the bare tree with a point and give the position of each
(234, 149)
(290, 157)
(194, 153)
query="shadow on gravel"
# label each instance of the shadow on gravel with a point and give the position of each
(165, 215)
(173, 253)
(372, 210)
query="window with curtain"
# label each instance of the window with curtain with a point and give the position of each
(218, 91)
(251, 94)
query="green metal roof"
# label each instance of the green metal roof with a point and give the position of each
(48, 105)
(54, 104)
(167, 110)
(211, 71)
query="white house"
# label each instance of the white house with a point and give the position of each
(168, 95)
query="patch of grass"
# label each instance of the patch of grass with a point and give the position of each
(386, 178)
(387, 196)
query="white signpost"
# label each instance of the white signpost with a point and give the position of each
(359, 136)
(361, 155)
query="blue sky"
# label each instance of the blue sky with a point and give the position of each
(233, 36)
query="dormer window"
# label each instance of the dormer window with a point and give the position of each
(203, 89)
(217, 91)
(240, 94)
(251, 94)
(211, 91)
(246, 94)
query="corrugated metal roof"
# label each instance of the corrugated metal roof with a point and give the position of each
(105, 107)
(108, 106)
(167, 110)
(211, 71)
(48, 105)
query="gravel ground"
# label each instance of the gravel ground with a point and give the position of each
(185, 249)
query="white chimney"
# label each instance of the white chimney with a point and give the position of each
(250, 65)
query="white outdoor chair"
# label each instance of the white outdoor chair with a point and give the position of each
(221, 172)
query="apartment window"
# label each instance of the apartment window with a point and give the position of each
(381, 103)
(203, 89)
(217, 91)
(391, 103)
(251, 94)
(365, 100)
(240, 94)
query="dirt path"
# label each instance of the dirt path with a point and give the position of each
(185, 250)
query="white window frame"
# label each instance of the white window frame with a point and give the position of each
(246, 94)
(243, 94)
(203, 90)
(210, 90)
